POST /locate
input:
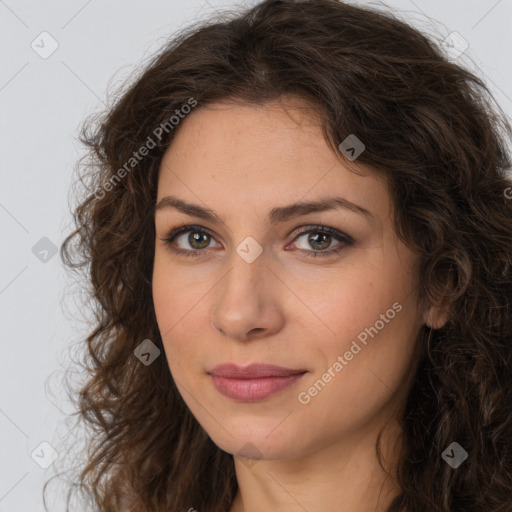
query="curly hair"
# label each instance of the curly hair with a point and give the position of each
(429, 127)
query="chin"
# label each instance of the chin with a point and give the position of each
(257, 441)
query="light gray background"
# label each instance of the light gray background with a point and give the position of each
(43, 101)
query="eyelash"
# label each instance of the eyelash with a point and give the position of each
(345, 240)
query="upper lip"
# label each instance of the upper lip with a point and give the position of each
(252, 371)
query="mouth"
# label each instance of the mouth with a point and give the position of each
(254, 382)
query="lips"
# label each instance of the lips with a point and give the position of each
(253, 371)
(254, 382)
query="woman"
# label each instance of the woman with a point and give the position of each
(300, 240)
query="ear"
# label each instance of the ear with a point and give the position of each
(436, 317)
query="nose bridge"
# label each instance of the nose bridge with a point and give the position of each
(246, 277)
(243, 301)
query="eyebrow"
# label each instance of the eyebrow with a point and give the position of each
(276, 215)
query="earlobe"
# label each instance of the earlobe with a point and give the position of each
(436, 317)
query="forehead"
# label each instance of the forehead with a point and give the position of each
(233, 155)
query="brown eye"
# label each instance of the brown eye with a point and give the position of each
(194, 240)
(201, 239)
(188, 239)
(319, 240)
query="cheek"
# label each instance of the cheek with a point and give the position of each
(371, 321)
(355, 301)
(360, 369)
(174, 302)
(173, 292)
(376, 356)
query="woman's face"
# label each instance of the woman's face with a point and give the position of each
(341, 307)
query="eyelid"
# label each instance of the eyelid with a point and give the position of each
(305, 228)
(184, 228)
(308, 228)
(343, 238)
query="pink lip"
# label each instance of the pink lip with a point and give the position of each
(254, 382)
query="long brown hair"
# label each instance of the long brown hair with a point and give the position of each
(429, 125)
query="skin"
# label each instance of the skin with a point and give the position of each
(286, 309)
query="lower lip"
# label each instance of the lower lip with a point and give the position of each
(252, 390)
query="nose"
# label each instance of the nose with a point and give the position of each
(247, 302)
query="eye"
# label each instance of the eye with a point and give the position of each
(195, 236)
(320, 239)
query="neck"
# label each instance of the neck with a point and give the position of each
(342, 477)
